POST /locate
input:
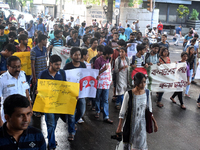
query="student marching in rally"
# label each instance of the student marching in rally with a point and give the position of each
(184, 58)
(190, 61)
(52, 73)
(134, 104)
(75, 54)
(137, 61)
(103, 65)
(164, 59)
(121, 75)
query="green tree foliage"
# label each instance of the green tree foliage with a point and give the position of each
(183, 11)
(194, 15)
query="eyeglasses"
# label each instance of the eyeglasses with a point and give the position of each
(16, 67)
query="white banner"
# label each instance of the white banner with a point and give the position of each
(197, 75)
(105, 78)
(87, 80)
(168, 77)
(132, 50)
(63, 52)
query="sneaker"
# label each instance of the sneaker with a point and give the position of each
(80, 121)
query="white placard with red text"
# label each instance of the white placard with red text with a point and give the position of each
(105, 78)
(168, 77)
(63, 52)
(87, 80)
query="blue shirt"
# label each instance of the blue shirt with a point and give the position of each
(3, 63)
(41, 27)
(57, 43)
(128, 31)
(40, 57)
(31, 138)
(81, 31)
(31, 31)
(178, 29)
(60, 75)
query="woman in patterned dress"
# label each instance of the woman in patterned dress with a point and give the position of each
(135, 101)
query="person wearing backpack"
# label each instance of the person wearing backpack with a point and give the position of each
(121, 71)
(137, 60)
(41, 26)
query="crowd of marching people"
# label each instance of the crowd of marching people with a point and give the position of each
(92, 46)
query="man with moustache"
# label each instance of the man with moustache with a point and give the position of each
(75, 54)
(52, 73)
(13, 81)
(16, 132)
(23, 41)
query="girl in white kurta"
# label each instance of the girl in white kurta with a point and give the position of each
(121, 71)
(135, 101)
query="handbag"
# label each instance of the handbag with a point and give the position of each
(148, 116)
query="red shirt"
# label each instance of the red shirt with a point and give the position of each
(160, 27)
(28, 49)
(11, 19)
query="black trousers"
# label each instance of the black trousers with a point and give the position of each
(180, 96)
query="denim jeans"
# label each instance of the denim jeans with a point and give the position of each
(79, 112)
(92, 100)
(102, 94)
(188, 86)
(119, 100)
(160, 94)
(51, 122)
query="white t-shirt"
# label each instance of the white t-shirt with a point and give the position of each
(133, 27)
(22, 23)
(51, 24)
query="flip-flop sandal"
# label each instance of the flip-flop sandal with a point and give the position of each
(160, 105)
(114, 98)
(71, 137)
(117, 107)
(173, 101)
(97, 115)
(108, 121)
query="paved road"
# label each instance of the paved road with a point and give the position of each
(178, 129)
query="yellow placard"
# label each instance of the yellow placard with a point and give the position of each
(25, 61)
(56, 96)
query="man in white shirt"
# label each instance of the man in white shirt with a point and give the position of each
(133, 26)
(13, 81)
(22, 22)
(50, 24)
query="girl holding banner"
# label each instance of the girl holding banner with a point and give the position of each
(164, 59)
(184, 57)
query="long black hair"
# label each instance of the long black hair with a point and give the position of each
(138, 77)
(190, 57)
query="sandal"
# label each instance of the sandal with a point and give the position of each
(93, 108)
(183, 107)
(160, 105)
(97, 115)
(117, 107)
(186, 95)
(108, 121)
(89, 103)
(198, 105)
(173, 101)
(114, 98)
(71, 137)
